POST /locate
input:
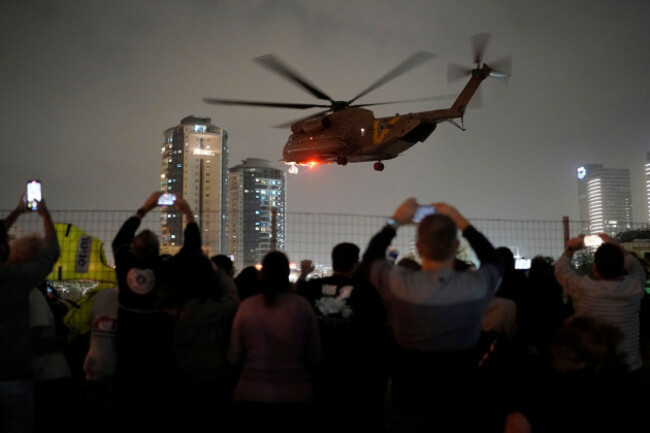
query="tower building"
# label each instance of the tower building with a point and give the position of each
(256, 211)
(195, 167)
(605, 199)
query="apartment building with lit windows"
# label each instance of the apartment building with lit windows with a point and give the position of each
(605, 199)
(195, 167)
(256, 211)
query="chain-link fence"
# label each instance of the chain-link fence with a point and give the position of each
(312, 235)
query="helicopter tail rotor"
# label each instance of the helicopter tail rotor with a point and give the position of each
(479, 46)
(457, 72)
(499, 69)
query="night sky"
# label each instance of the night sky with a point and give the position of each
(87, 88)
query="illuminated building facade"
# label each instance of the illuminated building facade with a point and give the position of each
(605, 199)
(195, 167)
(256, 211)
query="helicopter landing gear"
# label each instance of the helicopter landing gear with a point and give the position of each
(341, 160)
(379, 166)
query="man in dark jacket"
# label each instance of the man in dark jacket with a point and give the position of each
(16, 392)
(145, 367)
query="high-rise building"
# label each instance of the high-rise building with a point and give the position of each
(256, 211)
(605, 199)
(647, 183)
(195, 167)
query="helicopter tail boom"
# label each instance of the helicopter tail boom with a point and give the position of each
(478, 75)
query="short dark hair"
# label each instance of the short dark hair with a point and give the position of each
(274, 275)
(223, 261)
(437, 237)
(187, 275)
(609, 261)
(344, 256)
(507, 257)
(145, 245)
(587, 344)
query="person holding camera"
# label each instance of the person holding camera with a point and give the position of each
(613, 291)
(435, 315)
(145, 368)
(17, 280)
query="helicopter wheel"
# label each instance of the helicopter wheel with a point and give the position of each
(341, 160)
(379, 166)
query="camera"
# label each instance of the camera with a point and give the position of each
(34, 195)
(167, 199)
(592, 241)
(423, 211)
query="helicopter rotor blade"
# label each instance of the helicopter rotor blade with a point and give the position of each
(261, 103)
(324, 112)
(274, 64)
(430, 98)
(479, 45)
(455, 72)
(313, 116)
(408, 64)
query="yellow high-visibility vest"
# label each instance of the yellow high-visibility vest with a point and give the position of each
(82, 257)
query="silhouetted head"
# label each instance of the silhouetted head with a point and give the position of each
(186, 276)
(274, 275)
(437, 237)
(222, 261)
(507, 257)
(345, 256)
(587, 344)
(609, 261)
(248, 282)
(541, 268)
(409, 263)
(145, 245)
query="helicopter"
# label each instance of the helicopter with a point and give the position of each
(346, 133)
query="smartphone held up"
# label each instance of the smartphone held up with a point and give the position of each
(34, 195)
(592, 241)
(167, 199)
(422, 212)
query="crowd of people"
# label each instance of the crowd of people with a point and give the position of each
(432, 344)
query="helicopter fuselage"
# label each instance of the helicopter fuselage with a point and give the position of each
(349, 133)
(355, 135)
